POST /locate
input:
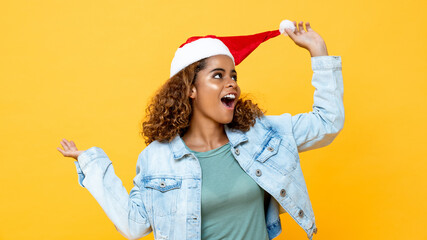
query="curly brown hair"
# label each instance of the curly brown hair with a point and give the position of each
(169, 111)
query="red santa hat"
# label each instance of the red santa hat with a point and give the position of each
(236, 47)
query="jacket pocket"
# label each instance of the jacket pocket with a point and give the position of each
(276, 153)
(268, 149)
(162, 194)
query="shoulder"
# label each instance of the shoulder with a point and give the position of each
(154, 147)
(156, 158)
(279, 123)
(154, 151)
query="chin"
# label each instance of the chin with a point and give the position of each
(226, 121)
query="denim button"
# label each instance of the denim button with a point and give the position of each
(162, 184)
(270, 149)
(283, 192)
(301, 213)
(315, 230)
(237, 151)
(258, 173)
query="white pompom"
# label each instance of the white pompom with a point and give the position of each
(286, 24)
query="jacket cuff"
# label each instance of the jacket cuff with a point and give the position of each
(88, 156)
(325, 62)
(80, 173)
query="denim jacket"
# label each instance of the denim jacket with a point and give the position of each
(166, 195)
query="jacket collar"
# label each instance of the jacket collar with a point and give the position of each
(179, 150)
(235, 136)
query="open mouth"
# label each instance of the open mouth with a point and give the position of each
(228, 100)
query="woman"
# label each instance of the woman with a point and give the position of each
(214, 156)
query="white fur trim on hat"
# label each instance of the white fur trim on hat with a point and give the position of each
(197, 50)
(286, 24)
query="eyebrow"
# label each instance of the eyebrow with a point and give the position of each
(221, 69)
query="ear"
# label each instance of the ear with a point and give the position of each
(193, 92)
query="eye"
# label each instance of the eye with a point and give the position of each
(220, 76)
(216, 74)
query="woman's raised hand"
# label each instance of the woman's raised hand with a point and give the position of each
(70, 149)
(309, 39)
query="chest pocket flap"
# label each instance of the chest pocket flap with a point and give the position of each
(163, 184)
(268, 149)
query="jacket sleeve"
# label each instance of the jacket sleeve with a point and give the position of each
(126, 211)
(319, 127)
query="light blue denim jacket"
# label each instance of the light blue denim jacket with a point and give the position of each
(166, 195)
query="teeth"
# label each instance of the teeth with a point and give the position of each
(231, 96)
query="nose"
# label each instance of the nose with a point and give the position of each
(231, 83)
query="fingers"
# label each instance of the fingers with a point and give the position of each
(70, 149)
(300, 28)
(62, 151)
(64, 144)
(73, 145)
(290, 33)
(308, 27)
(68, 146)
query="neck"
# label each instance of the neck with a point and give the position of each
(204, 134)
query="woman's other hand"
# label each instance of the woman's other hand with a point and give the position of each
(70, 149)
(309, 39)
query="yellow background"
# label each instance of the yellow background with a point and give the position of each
(84, 71)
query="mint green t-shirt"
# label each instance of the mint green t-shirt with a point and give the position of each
(232, 202)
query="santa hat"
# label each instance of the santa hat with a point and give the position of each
(236, 47)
